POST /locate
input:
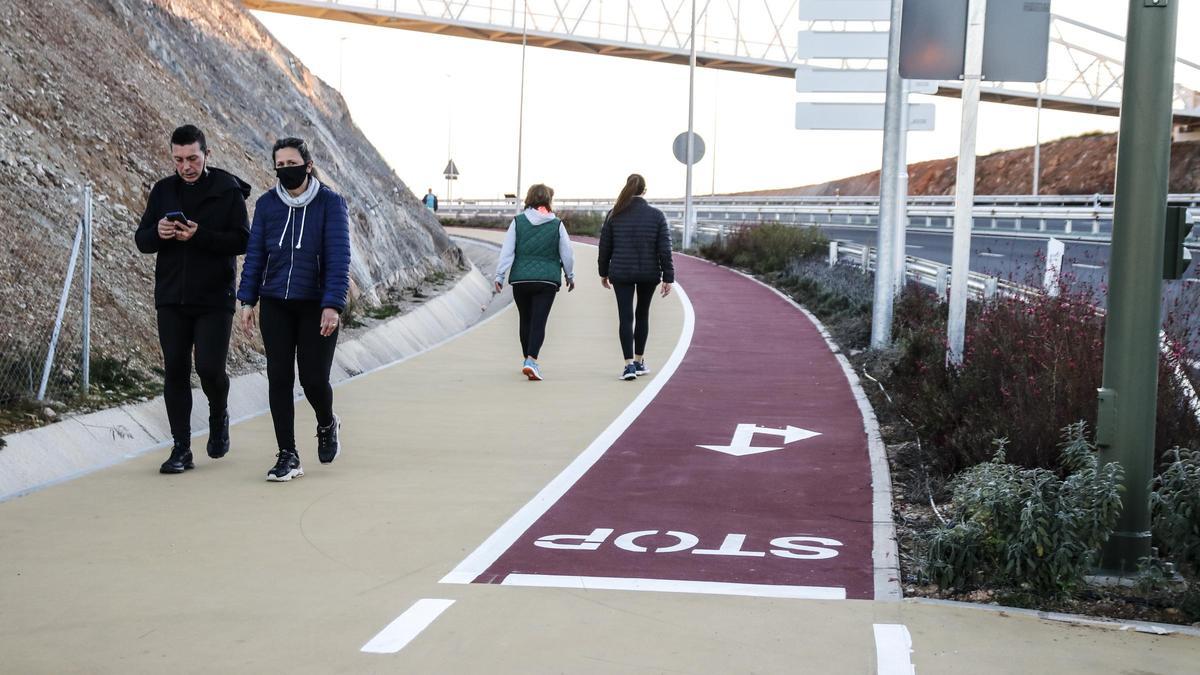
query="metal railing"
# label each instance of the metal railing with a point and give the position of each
(929, 273)
(1079, 217)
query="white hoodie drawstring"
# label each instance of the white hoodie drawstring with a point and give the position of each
(303, 218)
(285, 227)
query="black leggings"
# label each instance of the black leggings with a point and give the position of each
(534, 300)
(291, 332)
(635, 323)
(182, 329)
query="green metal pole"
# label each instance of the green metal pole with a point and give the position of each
(1125, 431)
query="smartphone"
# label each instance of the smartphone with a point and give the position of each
(176, 217)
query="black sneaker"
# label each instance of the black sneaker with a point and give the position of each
(287, 468)
(641, 367)
(328, 447)
(630, 372)
(218, 437)
(179, 461)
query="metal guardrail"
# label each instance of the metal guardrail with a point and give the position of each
(929, 273)
(1080, 218)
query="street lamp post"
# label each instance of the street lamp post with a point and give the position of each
(1128, 399)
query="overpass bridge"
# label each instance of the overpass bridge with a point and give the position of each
(746, 36)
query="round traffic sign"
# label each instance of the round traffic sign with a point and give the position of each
(680, 148)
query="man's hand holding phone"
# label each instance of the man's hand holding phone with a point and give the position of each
(185, 230)
(180, 227)
(166, 229)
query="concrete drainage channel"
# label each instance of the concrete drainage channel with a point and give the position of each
(81, 444)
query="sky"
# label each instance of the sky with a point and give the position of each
(592, 120)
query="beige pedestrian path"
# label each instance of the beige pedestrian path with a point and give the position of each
(218, 571)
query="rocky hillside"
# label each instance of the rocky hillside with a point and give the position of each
(1072, 166)
(89, 93)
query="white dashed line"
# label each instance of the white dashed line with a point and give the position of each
(893, 650)
(992, 255)
(407, 626)
(1087, 267)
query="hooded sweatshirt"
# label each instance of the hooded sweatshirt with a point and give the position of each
(538, 218)
(198, 272)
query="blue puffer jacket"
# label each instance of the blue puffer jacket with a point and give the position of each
(298, 253)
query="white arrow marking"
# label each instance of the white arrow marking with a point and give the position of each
(741, 446)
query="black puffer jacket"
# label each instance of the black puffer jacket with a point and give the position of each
(199, 271)
(635, 245)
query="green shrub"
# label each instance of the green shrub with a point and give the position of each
(1030, 367)
(1026, 528)
(582, 223)
(482, 222)
(1176, 506)
(839, 296)
(765, 249)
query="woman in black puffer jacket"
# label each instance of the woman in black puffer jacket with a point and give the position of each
(635, 255)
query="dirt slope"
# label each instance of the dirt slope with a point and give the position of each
(89, 93)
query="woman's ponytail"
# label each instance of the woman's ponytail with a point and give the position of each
(635, 186)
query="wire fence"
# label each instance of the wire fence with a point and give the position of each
(44, 337)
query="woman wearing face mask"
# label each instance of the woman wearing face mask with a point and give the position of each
(297, 268)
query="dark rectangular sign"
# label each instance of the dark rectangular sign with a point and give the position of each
(933, 38)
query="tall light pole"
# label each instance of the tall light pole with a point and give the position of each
(341, 57)
(1037, 145)
(688, 208)
(881, 313)
(1128, 401)
(521, 110)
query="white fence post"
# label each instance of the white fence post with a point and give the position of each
(62, 307)
(943, 282)
(86, 369)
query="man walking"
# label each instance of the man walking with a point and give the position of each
(195, 221)
(430, 201)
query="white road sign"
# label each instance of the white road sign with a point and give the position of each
(859, 116)
(815, 44)
(810, 79)
(845, 10)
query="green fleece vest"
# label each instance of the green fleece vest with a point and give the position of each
(536, 256)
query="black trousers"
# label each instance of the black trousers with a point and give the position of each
(534, 300)
(634, 325)
(291, 332)
(183, 329)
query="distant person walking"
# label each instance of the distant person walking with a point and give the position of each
(298, 269)
(195, 222)
(430, 201)
(536, 253)
(635, 255)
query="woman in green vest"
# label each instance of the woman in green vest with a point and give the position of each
(536, 253)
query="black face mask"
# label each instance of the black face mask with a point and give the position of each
(292, 177)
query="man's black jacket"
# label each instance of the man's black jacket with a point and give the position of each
(199, 271)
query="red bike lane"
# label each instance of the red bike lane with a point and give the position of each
(748, 472)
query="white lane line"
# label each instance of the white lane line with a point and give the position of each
(675, 586)
(893, 650)
(407, 626)
(912, 246)
(504, 537)
(1087, 267)
(987, 254)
